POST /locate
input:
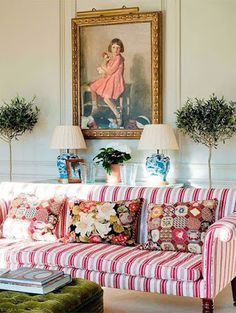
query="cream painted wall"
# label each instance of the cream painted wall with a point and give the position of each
(199, 48)
(208, 64)
(29, 65)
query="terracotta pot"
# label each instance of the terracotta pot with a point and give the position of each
(115, 177)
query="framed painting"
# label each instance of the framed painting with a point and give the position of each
(74, 171)
(116, 73)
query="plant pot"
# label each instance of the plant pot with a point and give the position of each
(115, 177)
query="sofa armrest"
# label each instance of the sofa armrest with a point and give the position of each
(224, 229)
(4, 206)
(219, 255)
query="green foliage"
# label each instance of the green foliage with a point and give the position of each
(207, 121)
(17, 117)
(109, 156)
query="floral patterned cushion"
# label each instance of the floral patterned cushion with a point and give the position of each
(110, 222)
(32, 219)
(179, 226)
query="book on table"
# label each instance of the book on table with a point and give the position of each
(3, 271)
(33, 280)
(29, 275)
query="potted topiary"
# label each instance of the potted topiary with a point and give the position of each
(16, 118)
(110, 158)
(208, 122)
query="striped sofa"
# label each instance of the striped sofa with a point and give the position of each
(173, 273)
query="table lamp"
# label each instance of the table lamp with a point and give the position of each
(66, 137)
(158, 137)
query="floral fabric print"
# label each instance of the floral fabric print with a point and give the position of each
(179, 226)
(32, 219)
(111, 222)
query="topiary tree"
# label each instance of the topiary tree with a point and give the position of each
(16, 118)
(208, 122)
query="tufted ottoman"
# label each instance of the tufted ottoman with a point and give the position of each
(80, 296)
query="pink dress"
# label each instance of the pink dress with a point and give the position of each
(112, 85)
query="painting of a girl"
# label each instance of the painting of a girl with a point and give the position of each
(116, 74)
(110, 85)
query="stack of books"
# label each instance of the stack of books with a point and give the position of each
(33, 280)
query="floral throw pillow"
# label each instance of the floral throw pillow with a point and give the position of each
(30, 218)
(110, 222)
(179, 226)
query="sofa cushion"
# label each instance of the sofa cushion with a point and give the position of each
(103, 258)
(3, 210)
(32, 218)
(111, 222)
(225, 196)
(180, 226)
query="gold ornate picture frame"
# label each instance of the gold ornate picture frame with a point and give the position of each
(116, 74)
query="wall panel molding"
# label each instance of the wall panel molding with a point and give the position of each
(29, 170)
(67, 12)
(197, 174)
(171, 59)
(178, 54)
(163, 5)
(62, 60)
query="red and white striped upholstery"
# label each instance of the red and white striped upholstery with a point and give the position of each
(4, 205)
(219, 255)
(121, 281)
(174, 273)
(104, 258)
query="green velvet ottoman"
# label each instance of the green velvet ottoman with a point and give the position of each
(80, 296)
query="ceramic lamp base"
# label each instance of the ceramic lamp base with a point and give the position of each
(163, 183)
(63, 181)
(157, 181)
(158, 166)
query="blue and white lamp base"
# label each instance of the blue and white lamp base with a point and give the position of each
(61, 165)
(158, 166)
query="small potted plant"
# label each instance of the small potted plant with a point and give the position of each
(111, 158)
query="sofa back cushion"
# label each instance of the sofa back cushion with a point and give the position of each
(112, 222)
(31, 218)
(226, 198)
(179, 226)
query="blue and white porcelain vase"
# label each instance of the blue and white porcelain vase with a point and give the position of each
(61, 164)
(158, 165)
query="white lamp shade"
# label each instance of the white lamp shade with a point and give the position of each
(68, 137)
(157, 137)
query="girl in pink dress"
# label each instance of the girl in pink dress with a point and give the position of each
(111, 84)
